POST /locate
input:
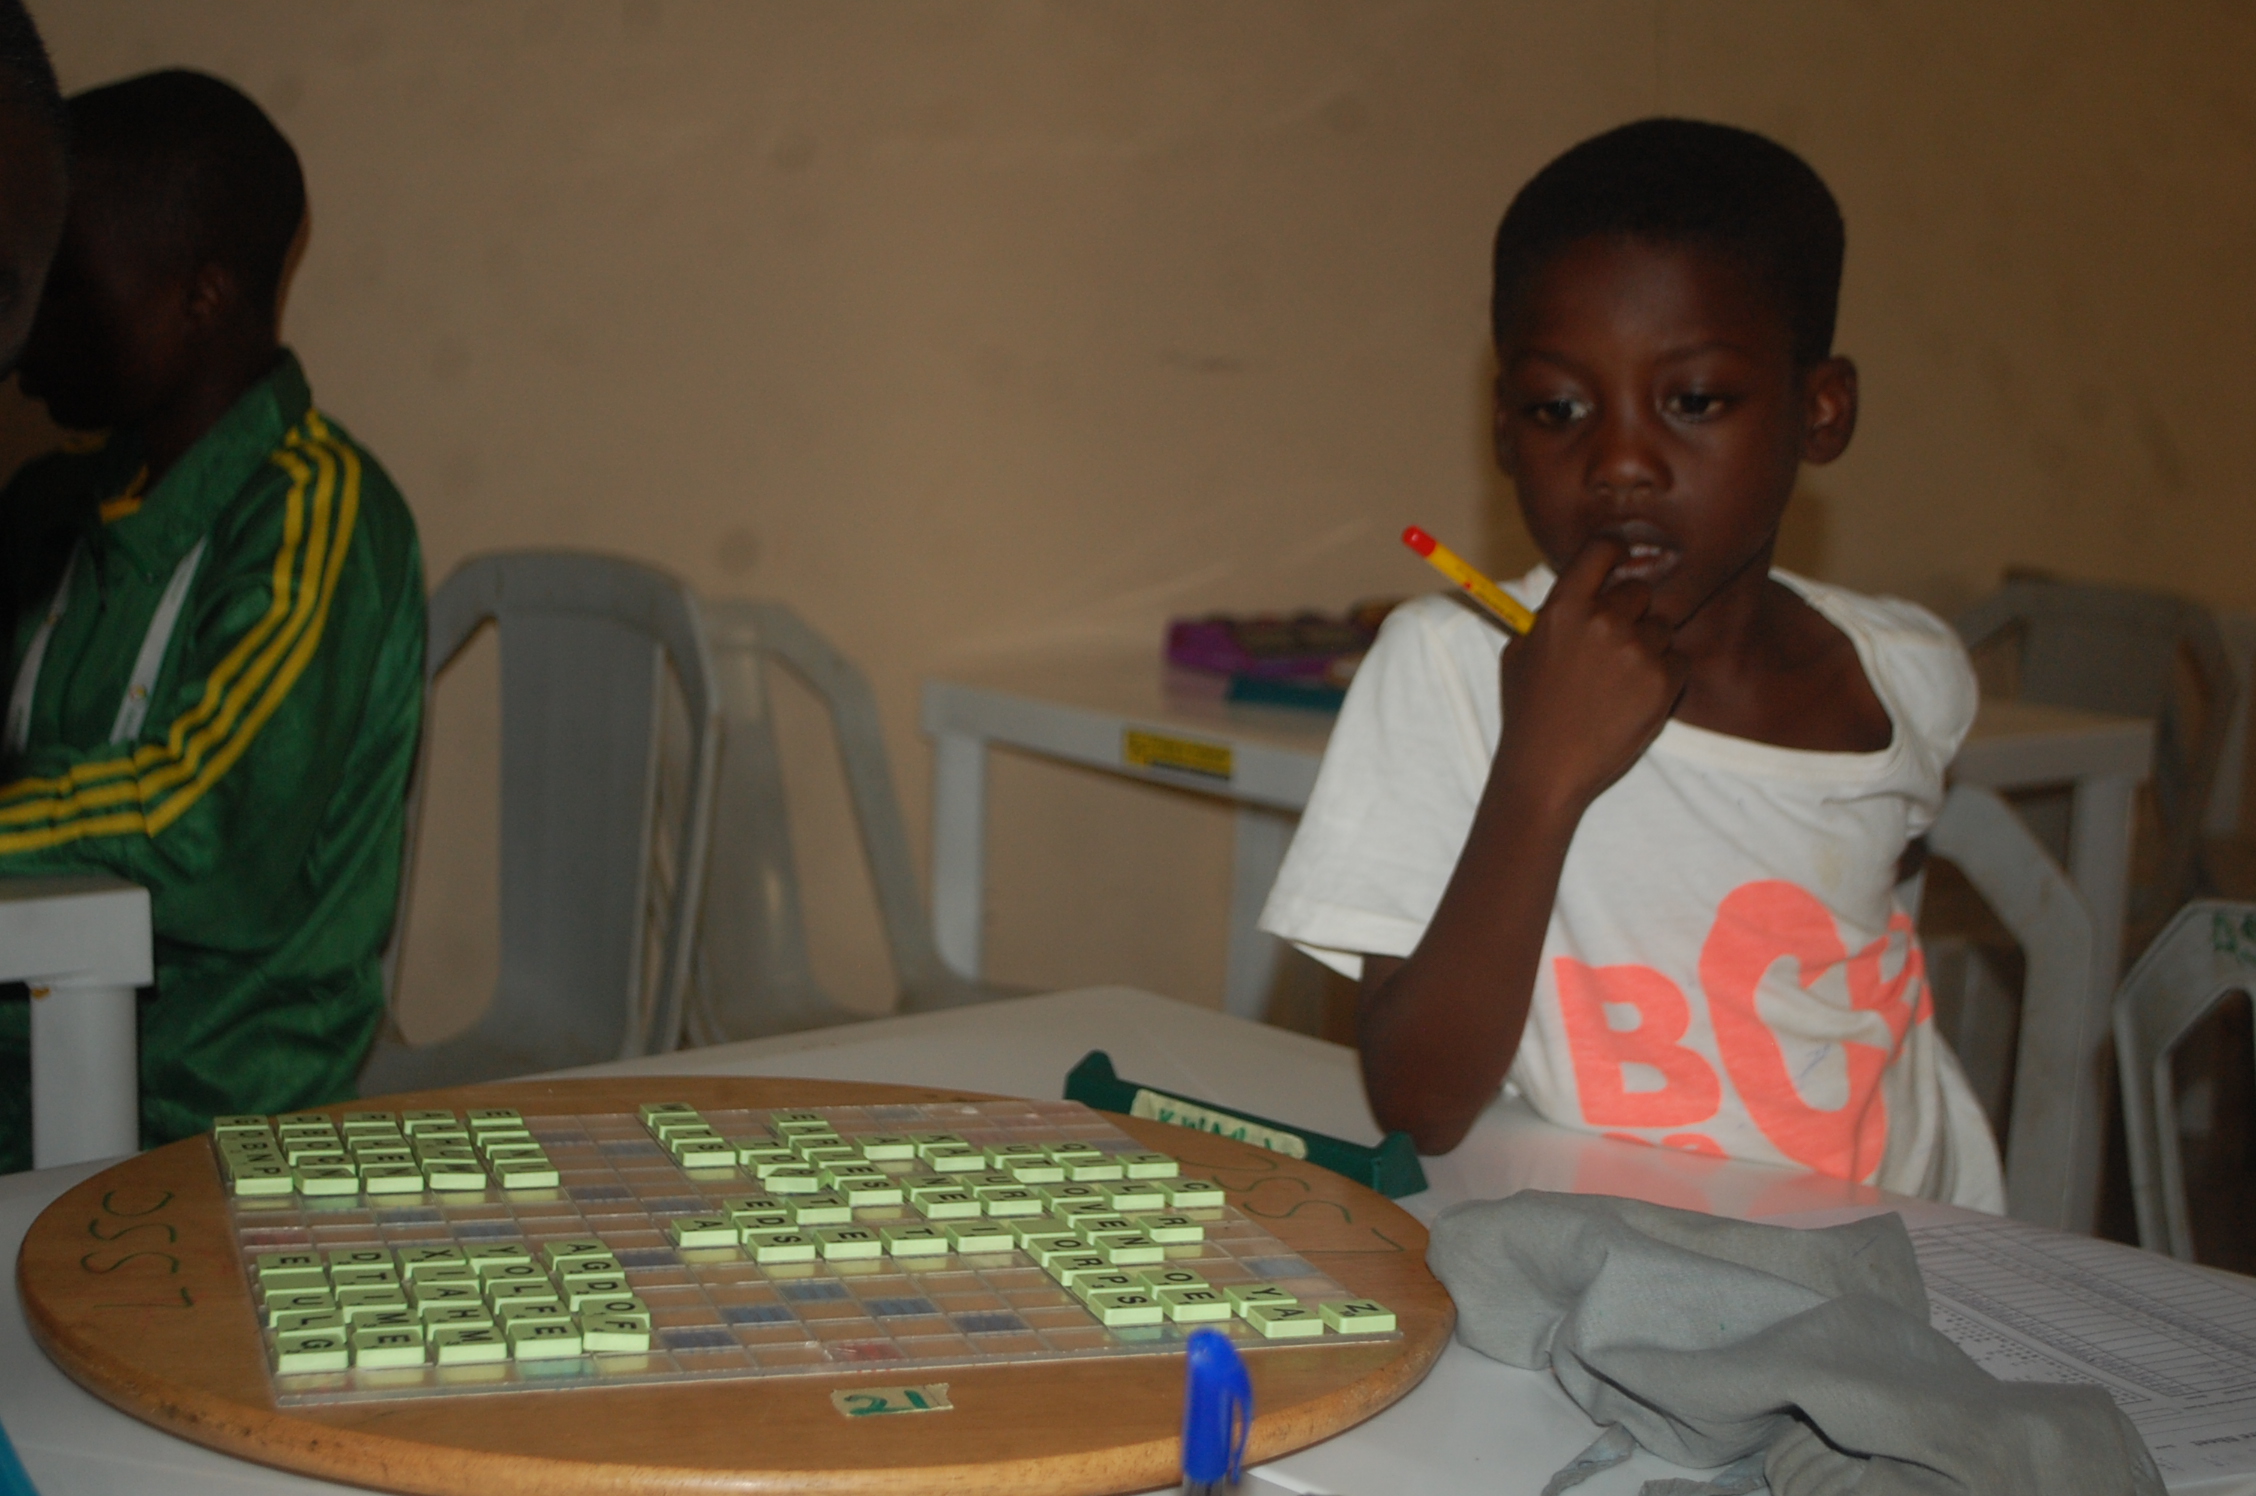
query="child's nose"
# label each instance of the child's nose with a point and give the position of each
(1625, 458)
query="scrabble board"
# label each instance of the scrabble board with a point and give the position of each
(434, 1252)
(146, 1284)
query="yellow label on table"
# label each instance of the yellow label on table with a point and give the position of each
(1153, 750)
(864, 1402)
(1152, 1106)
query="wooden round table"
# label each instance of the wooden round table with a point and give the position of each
(130, 1281)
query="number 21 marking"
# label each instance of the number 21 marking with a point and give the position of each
(931, 1398)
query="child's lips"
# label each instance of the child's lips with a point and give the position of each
(1645, 563)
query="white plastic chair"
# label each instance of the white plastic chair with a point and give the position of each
(752, 975)
(2055, 1138)
(2117, 649)
(2207, 953)
(601, 871)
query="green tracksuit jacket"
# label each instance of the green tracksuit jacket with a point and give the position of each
(260, 797)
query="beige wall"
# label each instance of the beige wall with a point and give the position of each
(973, 327)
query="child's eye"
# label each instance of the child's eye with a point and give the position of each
(1694, 404)
(1563, 411)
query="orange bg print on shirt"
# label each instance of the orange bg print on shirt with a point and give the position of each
(1689, 1091)
(1759, 925)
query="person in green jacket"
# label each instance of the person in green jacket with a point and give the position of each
(221, 696)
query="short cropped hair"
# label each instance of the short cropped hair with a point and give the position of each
(192, 164)
(27, 78)
(1685, 182)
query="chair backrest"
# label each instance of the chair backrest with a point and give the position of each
(601, 868)
(2116, 649)
(753, 975)
(2207, 953)
(2055, 1140)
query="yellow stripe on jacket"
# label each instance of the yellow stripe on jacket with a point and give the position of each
(242, 692)
(129, 758)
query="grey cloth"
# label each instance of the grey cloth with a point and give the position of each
(1711, 1340)
(1616, 1445)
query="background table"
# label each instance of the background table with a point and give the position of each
(1475, 1427)
(84, 946)
(1081, 709)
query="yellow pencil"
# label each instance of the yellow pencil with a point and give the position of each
(1451, 565)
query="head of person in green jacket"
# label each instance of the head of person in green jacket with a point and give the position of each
(187, 209)
(32, 184)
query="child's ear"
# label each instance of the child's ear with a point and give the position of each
(1496, 430)
(290, 263)
(1829, 409)
(210, 295)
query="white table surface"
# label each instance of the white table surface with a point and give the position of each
(1076, 707)
(1474, 1425)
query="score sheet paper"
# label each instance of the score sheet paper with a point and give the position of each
(2173, 1344)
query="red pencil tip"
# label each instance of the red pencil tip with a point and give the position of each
(1418, 540)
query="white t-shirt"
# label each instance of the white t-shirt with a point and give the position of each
(1726, 969)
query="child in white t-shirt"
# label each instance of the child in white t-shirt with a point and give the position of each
(1642, 860)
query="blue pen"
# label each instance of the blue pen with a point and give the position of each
(13, 1481)
(1217, 1413)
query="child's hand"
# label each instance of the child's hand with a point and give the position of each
(1590, 686)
